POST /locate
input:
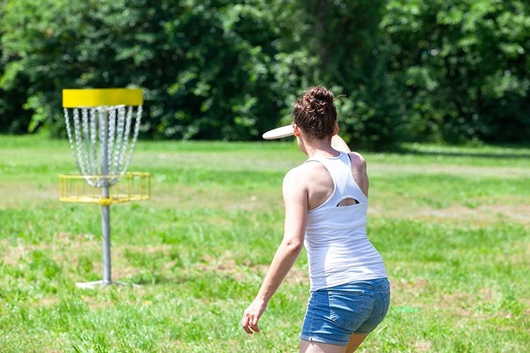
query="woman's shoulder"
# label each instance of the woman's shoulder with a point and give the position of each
(295, 183)
(306, 173)
(357, 159)
(304, 170)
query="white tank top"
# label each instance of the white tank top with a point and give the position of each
(337, 246)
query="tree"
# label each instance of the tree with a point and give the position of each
(463, 66)
(209, 69)
(406, 70)
(353, 61)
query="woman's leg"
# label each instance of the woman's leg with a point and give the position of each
(355, 341)
(317, 347)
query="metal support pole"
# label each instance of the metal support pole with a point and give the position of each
(105, 209)
(105, 228)
(113, 135)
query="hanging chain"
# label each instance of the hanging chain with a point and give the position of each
(87, 132)
(135, 135)
(78, 138)
(94, 140)
(118, 156)
(70, 137)
(86, 142)
(111, 135)
(126, 138)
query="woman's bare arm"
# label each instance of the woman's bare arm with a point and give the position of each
(360, 173)
(295, 199)
(358, 163)
(339, 144)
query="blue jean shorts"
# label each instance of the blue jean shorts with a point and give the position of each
(333, 314)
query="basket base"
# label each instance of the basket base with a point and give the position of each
(79, 189)
(102, 283)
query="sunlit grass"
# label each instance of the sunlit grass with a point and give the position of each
(451, 223)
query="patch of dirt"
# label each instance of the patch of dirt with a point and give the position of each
(194, 197)
(408, 286)
(18, 195)
(422, 346)
(485, 214)
(227, 266)
(66, 249)
(63, 244)
(465, 307)
(448, 169)
(49, 301)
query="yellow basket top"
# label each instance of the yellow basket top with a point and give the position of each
(98, 97)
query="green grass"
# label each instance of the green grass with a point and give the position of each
(451, 223)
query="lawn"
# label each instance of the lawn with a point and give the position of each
(452, 224)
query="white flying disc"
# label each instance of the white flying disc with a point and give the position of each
(279, 132)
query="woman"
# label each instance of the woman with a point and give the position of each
(326, 199)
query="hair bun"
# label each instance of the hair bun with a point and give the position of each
(320, 105)
(315, 113)
(319, 99)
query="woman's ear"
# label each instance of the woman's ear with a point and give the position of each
(296, 130)
(335, 129)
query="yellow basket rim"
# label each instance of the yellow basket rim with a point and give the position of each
(100, 97)
(101, 176)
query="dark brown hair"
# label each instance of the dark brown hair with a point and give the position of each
(315, 112)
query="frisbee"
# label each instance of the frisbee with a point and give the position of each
(279, 132)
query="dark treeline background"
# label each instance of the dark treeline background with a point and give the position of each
(410, 70)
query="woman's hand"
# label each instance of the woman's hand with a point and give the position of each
(252, 315)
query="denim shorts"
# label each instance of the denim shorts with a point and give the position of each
(333, 314)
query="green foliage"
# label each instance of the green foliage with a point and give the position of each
(408, 70)
(353, 61)
(464, 66)
(208, 69)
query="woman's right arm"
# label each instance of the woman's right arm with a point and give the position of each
(339, 144)
(295, 199)
(359, 171)
(358, 163)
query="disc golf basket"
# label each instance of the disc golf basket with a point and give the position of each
(102, 127)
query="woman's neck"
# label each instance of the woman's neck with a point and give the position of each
(320, 148)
